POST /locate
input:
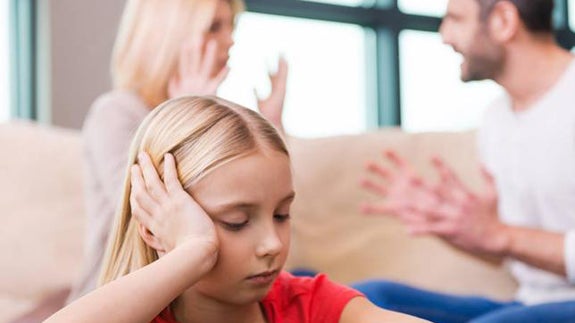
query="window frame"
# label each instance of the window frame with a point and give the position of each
(385, 21)
(382, 18)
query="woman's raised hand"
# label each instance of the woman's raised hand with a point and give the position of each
(272, 106)
(168, 215)
(196, 73)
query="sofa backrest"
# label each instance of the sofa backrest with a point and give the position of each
(330, 234)
(41, 208)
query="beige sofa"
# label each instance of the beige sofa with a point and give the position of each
(41, 210)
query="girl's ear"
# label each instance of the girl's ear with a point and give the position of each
(149, 238)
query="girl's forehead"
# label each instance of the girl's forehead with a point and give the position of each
(255, 178)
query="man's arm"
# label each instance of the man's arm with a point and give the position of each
(542, 249)
(467, 220)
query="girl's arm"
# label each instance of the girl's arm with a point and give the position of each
(142, 294)
(361, 310)
(171, 222)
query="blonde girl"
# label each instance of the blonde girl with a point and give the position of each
(204, 229)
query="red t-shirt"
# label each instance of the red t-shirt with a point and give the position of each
(298, 300)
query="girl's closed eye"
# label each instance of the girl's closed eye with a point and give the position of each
(282, 217)
(235, 225)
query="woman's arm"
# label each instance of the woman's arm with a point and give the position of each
(361, 310)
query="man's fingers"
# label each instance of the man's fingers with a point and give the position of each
(490, 181)
(446, 173)
(374, 187)
(378, 169)
(376, 208)
(395, 159)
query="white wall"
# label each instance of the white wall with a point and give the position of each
(77, 50)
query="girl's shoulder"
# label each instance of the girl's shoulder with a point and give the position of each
(306, 299)
(166, 316)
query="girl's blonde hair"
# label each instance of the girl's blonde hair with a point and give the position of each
(202, 133)
(149, 40)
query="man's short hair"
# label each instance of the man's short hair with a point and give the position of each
(535, 14)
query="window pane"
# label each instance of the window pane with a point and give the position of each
(423, 7)
(433, 98)
(4, 51)
(343, 2)
(326, 81)
(572, 14)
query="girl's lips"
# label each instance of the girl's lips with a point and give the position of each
(263, 278)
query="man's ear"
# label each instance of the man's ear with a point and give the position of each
(504, 21)
(149, 238)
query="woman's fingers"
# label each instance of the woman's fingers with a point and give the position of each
(219, 78)
(195, 55)
(209, 59)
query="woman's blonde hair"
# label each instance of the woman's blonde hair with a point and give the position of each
(149, 40)
(202, 133)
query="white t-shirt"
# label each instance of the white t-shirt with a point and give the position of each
(532, 157)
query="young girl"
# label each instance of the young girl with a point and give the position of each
(206, 241)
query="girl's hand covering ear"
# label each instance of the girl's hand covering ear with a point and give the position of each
(169, 215)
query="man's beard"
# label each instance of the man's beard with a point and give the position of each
(484, 60)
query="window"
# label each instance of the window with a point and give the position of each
(432, 96)
(434, 8)
(4, 64)
(571, 13)
(342, 2)
(331, 99)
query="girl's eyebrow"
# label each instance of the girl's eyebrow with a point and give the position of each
(289, 197)
(233, 205)
(246, 205)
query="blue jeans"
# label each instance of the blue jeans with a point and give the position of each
(443, 308)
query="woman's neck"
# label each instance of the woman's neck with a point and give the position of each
(193, 307)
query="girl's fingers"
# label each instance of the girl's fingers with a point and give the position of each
(139, 197)
(153, 183)
(171, 174)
